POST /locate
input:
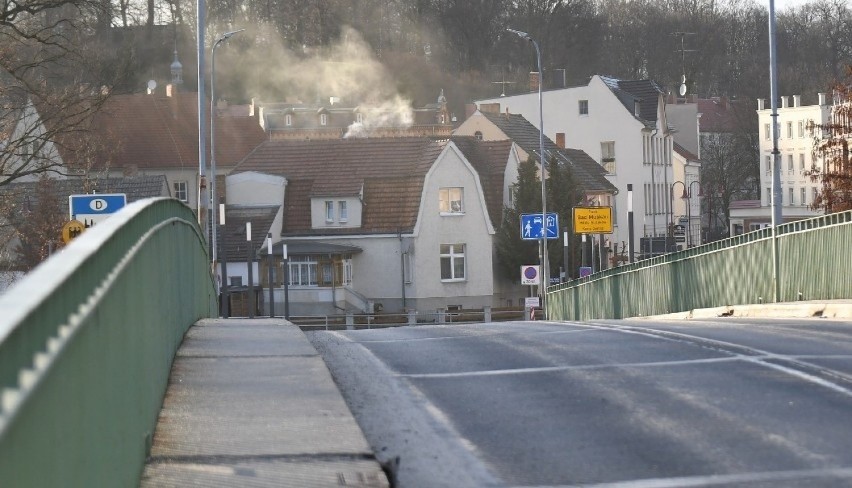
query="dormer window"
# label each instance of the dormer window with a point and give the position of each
(288, 120)
(636, 108)
(323, 119)
(477, 135)
(359, 118)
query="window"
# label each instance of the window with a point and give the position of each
(790, 163)
(803, 192)
(768, 196)
(768, 163)
(303, 270)
(359, 118)
(801, 129)
(181, 191)
(343, 211)
(766, 134)
(329, 211)
(789, 130)
(235, 281)
(288, 120)
(477, 135)
(450, 200)
(452, 262)
(790, 201)
(802, 163)
(813, 194)
(608, 156)
(323, 119)
(584, 107)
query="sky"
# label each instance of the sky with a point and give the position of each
(783, 4)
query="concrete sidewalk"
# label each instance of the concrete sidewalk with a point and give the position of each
(251, 403)
(839, 309)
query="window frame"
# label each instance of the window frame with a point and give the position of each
(449, 253)
(448, 208)
(608, 162)
(329, 211)
(323, 119)
(185, 190)
(583, 108)
(342, 211)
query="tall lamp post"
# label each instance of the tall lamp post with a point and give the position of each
(689, 211)
(214, 204)
(671, 208)
(541, 157)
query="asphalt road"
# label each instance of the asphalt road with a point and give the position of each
(638, 404)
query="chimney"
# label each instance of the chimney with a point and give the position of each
(535, 79)
(797, 100)
(491, 108)
(761, 102)
(785, 102)
(251, 107)
(507, 113)
(560, 140)
(821, 98)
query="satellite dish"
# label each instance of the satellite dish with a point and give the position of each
(682, 90)
(152, 84)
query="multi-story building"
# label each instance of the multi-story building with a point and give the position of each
(622, 124)
(795, 158)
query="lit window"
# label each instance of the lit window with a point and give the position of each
(608, 156)
(452, 262)
(181, 191)
(343, 211)
(323, 119)
(450, 200)
(329, 211)
(584, 107)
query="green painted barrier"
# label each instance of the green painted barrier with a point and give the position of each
(814, 264)
(87, 341)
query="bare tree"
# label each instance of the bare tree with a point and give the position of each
(831, 147)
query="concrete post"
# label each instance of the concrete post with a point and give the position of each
(487, 313)
(350, 321)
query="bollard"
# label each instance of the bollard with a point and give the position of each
(487, 314)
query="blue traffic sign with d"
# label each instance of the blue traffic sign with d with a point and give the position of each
(90, 209)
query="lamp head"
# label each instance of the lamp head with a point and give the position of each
(521, 34)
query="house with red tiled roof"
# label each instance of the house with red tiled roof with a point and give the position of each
(387, 224)
(157, 134)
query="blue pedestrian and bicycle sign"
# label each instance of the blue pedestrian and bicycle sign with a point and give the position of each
(91, 209)
(533, 230)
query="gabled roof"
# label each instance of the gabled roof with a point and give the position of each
(233, 239)
(135, 187)
(720, 115)
(489, 159)
(646, 92)
(392, 170)
(685, 153)
(589, 174)
(157, 131)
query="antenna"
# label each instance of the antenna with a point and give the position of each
(503, 83)
(682, 89)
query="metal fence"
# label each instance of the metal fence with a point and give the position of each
(815, 263)
(354, 321)
(86, 346)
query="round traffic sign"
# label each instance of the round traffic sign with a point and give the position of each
(71, 230)
(530, 272)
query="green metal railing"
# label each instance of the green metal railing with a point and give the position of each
(87, 341)
(815, 263)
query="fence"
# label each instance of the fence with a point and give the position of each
(814, 263)
(86, 345)
(412, 318)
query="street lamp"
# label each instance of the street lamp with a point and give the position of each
(214, 205)
(543, 274)
(689, 211)
(684, 196)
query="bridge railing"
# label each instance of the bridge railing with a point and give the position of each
(86, 345)
(814, 264)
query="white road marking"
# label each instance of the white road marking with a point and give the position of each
(721, 479)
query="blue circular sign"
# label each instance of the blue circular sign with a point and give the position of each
(530, 273)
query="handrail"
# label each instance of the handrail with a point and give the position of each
(86, 344)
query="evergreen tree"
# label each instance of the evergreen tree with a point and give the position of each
(512, 251)
(562, 195)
